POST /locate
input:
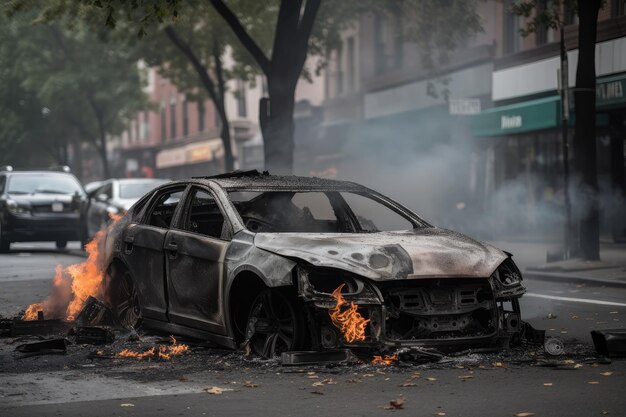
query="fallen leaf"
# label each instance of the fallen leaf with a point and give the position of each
(250, 384)
(568, 362)
(353, 381)
(408, 384)
(466, 376)
(608, 373)
(430, 378)
(313, 377)
(547, 384)
(329, 381)
(215, 390)
(127, 405)
(563, 331)
(593, 382)
(440, 413)
(578, 366)
(575, 317)
(498, 365)
(604, 413)
(310, 373)
(524, 414)
(396, 404)
(594, 365)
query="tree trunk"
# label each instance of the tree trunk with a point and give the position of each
(585, 161)
(277, 127)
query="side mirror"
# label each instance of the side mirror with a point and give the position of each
(102, 197)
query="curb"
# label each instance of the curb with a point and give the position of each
(558, 277)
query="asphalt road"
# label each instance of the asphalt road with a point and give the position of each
(470, 385)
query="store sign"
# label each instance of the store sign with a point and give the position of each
(510, 122)
(464, 106)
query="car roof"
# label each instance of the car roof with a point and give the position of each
(140, 180)
(253, 180)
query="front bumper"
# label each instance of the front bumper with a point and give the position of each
(42, 227)
(444, 314)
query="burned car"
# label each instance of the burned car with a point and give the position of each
(280, 263)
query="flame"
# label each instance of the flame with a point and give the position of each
(386, 360)
(73, 284)
(349, 321)
(160, 352)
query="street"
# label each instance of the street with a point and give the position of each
(576, 384)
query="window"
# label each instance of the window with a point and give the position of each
(185, 117)
(145, 126)
(173, 117)
(106, 189)
(204, 216)
(163, 210)
(201, 116)
(372, 216)
(241, 99)
(618, 8)
(2, 182)
(339, 70)
(163, 122)
(512, 36)
(351, 64)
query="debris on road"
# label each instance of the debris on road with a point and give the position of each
(44, 347)
(610, 342)
(94, 312)
(94, 335)
(337, 356)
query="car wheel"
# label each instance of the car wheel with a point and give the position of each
(124, 299)
(5, 245)
(61, 244)
(278, 324)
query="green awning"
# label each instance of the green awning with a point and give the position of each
(530, 115)
(544, 113)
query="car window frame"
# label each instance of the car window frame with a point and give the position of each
(186, 207)
(155, 198)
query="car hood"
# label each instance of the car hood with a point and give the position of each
(419, 253)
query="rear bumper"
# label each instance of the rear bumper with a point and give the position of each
(42, 228)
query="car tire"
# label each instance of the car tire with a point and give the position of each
(279, 324)
(5, 245)
(123, 297)
(61, 244)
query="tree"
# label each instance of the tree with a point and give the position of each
(88, 87)
(189, 52)
(584, 143)
(279, 35)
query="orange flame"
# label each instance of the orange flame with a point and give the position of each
(349, 321)
(386, 360)
(160, 352)
(83, 279)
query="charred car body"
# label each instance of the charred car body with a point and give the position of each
(257, 259)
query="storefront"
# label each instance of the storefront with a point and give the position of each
(522, 153)
(195, 159)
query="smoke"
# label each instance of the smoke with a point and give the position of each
(439, 170)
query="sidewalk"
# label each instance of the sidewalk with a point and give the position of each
(531, 258)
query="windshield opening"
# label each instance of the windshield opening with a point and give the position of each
(43, 184)
(316, 212)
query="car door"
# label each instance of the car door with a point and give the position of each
(195, 250)
(143, 250)
(97, 215)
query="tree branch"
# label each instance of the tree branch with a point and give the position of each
(243, 36)
(208, 83)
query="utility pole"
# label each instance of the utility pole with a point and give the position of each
(563, 79)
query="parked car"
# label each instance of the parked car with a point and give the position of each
(260, 260)
(40, 206)
(115, 197)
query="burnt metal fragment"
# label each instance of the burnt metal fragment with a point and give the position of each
(45, 347)
(94, 335)
(94, 312)
(39, 327)
(311, 357)
(532, 335)
(610, 342)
